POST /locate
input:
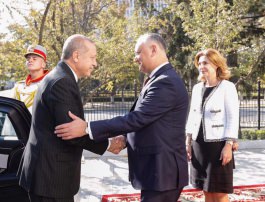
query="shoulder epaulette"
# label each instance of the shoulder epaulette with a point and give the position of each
(22, 81)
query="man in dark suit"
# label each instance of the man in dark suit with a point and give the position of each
(51, 167)
(155, 126)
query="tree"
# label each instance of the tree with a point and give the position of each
(116, 39)
(12, 49)
(219, 24)
(115, 51)
(49, 27)
(213, 23)
(252, 55)
(169, 25)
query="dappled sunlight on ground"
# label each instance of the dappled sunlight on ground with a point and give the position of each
(109, 174)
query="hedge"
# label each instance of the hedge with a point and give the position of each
(252, 134)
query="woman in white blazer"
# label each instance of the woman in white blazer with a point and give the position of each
(212, 127)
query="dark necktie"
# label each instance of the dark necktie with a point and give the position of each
(146, 80)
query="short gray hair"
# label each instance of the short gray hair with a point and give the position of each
(73, 43)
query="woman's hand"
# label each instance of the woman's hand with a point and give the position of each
(188, 146)
(188, 150)
(235, 146)
(226, 154)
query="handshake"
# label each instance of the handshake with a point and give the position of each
(77, 128)
(117, 144)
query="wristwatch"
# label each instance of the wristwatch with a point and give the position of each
(229, 142)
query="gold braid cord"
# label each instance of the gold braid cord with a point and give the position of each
(29, 100)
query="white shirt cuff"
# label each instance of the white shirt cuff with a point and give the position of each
(88, 130)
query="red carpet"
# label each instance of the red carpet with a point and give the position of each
(249, 193)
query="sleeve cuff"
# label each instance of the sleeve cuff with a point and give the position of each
(88, 130)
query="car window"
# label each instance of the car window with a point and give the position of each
(7, 130)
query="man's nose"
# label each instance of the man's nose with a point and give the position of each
(95, 64)
(201, 66)
(136, 59)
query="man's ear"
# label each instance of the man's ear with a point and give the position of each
(75, 56)
(153, 49)
(43, 64)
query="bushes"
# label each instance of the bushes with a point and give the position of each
(253, 135)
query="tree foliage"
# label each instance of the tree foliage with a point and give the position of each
(115, 42)
(213, 23)
(235, 27)
(227, 26)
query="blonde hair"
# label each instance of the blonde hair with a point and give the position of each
(217, 59)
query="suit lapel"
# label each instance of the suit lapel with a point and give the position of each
(132, 108)
(157, 74)
(146, 86)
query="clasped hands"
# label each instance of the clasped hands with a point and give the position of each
(77, 128)
(117, 144)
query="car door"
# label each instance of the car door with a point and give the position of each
(15, 120)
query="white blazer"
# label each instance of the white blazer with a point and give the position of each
(219, 114)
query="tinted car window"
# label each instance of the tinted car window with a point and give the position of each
(6, 127)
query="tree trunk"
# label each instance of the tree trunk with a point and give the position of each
(43, 22)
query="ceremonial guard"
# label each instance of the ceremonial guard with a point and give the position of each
(25, 90)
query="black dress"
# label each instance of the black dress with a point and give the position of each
(206, 171)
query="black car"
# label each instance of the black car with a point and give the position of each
(15, 120)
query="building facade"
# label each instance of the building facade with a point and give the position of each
(158, 5)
